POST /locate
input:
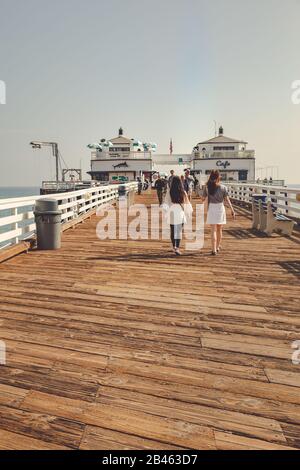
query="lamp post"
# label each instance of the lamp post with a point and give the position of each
(54, 146)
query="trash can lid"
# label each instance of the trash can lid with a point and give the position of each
(45, 205)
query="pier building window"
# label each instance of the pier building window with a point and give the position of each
(101, 176)
(243, 175)
(224, 148)
(119, 149)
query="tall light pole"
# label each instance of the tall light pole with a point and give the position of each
(215, 128)
(54, 145)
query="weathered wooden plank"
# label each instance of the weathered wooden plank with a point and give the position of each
(240, 344)
(292, 435)
(97, 325)
(13, 441)
(142, 424)
(216, 418)
(218, 320)
(42, 426)
(28, 354)
(54, 382)
(11, 396)
(89, 335)
(283, 377)
(209, 397)
(253, 388)
(96, 438)
(228, 441)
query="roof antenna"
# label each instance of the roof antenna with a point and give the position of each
(215, 128)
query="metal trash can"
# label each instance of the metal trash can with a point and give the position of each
(122, 190)
(48, 224)
(126, 194)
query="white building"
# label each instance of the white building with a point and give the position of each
(121, 159)
(229, 156)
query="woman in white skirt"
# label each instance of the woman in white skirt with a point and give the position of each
(216, 195)
(178, 210)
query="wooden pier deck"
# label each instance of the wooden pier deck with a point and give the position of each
(120, 345)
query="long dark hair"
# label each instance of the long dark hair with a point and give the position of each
(176, 191)
(213, 182)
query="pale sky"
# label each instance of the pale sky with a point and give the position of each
(76, 70)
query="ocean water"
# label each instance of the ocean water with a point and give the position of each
(18, 191)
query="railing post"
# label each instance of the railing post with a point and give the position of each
(74, 208)
(287, 203)
(16, 224)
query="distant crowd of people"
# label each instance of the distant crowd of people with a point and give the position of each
(161, 185)
(176, 192)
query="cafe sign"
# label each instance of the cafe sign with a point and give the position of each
(223, 163)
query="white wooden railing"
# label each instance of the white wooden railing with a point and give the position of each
(17, 217)
(287, 200)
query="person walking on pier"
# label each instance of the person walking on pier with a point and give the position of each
(216, 194)
(166, 187)
(159, 186)
(179, 209)
(140, 185)
(188, 184)
(170, 178)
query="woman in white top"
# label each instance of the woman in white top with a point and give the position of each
(179, 208)
(216, 194)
